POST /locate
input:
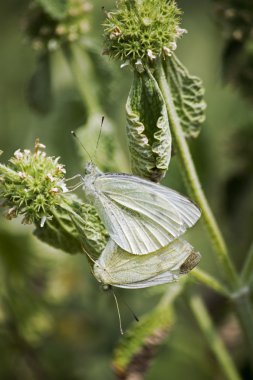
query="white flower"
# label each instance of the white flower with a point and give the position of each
(43, 221)
(173, 45)
(147, 21)
(139, 66)
(18, 154)
(50, 177)
(55, 190)
(124, 64)
(27, 152)
(151, 55)
(180, 32)
(63, 187)
(61, 169)
(167, 51)
(22, 175)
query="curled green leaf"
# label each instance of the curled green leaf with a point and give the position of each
(148, 128)
(187, 91)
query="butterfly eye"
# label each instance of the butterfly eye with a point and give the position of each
(89, 168)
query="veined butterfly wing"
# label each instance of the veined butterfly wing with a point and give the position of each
(119, 268)
(141, 216)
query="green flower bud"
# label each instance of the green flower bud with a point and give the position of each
(142, 30)
(33, 185)
(48, 25)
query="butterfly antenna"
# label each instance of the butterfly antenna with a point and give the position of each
(86, 151)
(89, 256)
(117, 306)
(99, 135)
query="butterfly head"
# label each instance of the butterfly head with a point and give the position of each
(100, 273)
(90, 168)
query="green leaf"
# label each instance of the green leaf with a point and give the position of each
(187, 92)
(138, 346)
(148, 128)
(55, 8)
(39, 92)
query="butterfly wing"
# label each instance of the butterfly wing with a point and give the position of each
(141, 216)
(119, 268)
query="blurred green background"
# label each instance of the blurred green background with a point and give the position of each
(55, 322)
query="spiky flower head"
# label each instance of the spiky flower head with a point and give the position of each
(139, 31)
(47, 27)
(32, 184)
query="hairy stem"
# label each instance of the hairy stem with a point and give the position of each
(82, 71)
(243, 307)
(247, 271)
(192, 180)
(244, 312)
(209, 281)
(215, 343)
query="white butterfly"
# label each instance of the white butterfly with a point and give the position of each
(119, 268)
(139, 215)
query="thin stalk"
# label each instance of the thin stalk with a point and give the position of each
(83, 74)
(82, 71)
(192, 180)
(209, 281)
(171, 293)
(214, 341)
(247, 271)
(244, 312)
(243, 308)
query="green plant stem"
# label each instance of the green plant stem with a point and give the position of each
(247, 271)
(171, 293)
(82, 71)
(209, 281)
(215, 343)
(192, 180)
(244, 309)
